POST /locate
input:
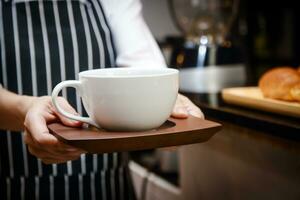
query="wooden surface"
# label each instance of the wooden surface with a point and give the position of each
(252, 97)
(172, 133)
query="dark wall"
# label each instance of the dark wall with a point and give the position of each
(272, 37)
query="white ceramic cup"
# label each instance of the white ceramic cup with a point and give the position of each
(124, 99)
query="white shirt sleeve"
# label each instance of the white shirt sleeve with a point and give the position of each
(135, 45)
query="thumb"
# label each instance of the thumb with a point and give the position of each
(68, 108)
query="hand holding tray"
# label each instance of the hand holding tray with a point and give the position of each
(173, 132)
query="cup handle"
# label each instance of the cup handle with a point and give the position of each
(77, 86)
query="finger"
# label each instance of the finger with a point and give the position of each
(42, 154)
(172, 148)
(179, 110)
(55, 151)
(28, 139)
(195, 111)
(64, 152)
(56, 161)
(68, 108)
(190, 107)
(36, 126)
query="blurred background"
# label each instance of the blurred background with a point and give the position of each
(218, 44)
(252, 34)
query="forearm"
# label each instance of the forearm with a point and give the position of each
(13, 109)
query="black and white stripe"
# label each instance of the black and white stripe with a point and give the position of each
(43, 43)
(32, 62)
(19, 77)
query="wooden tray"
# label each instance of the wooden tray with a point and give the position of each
(173, 132)
(252, 97)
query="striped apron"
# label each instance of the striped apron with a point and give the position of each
(44, 42)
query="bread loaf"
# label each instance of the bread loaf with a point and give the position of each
(281, 83)
(295, 92)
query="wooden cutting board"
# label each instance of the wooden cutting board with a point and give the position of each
(252, 97)
(173, 132)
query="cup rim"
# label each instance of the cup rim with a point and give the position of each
(159, 72)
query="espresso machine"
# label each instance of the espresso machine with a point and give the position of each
(207, 55)
(206, 26)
